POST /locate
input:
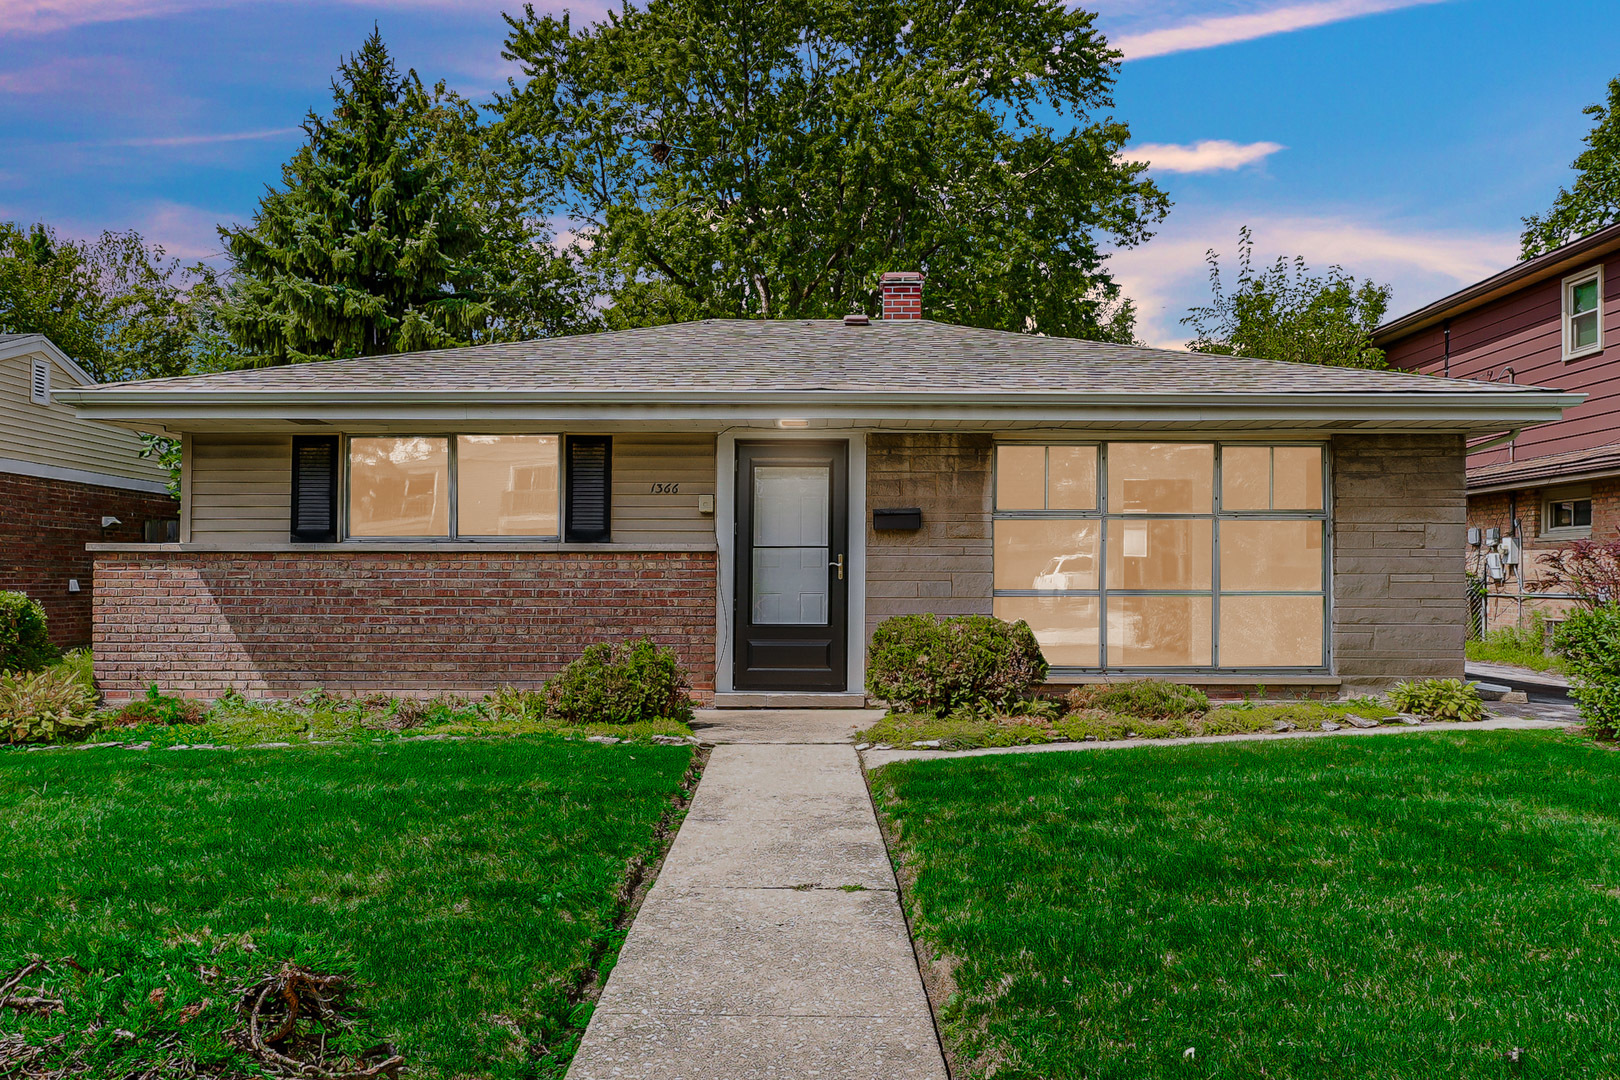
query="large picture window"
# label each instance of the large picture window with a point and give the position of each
(438, 487)
(1164, 555)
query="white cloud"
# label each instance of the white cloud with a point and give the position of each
(1168, 274)
(1216, 30)
(186, 232)
(44, 16)
(1205, 155)
(207, 139)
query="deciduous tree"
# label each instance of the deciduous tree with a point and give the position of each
(1593, 200)
(1283, 312)
(771, 158)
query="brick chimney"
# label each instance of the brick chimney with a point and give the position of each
(902, 294)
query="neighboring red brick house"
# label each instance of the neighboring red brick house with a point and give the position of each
(1551, 321)
(758, 495)
(65, 483)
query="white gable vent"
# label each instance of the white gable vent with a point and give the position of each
(39, 385)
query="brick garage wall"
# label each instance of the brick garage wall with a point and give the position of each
(945, 567)
(43, 532)
(1399, 604)
(279, 623)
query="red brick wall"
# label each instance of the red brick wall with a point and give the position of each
(43, 531)
(1496, 510)
(279, 623)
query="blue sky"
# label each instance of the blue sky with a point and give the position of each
(1403, 139)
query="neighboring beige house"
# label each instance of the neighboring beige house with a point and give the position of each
(759, 495)
(65, 482)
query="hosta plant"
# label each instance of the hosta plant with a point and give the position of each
(50, 705)
(1439, 699)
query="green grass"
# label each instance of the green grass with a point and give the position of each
(471, 886)
(1410, 906)
(968, 731)
(1524, 647)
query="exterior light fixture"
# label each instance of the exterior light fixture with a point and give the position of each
(793, 423)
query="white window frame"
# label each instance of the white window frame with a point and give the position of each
(39, 380)
(1552, 496)
(1569, 285)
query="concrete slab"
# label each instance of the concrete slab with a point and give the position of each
(660, 1046)
(777, 782)
(823, 850)
(768, 952)
(782, 725)
(748, 959)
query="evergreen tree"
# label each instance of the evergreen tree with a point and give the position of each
(384, 237)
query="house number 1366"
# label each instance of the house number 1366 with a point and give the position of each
(666, 489)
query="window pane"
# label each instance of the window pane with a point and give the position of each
(1271, 631)
(1066, 626)
(399, 487)
(1583, 513)
(1173, 554)
(1583, 297)
(1245, 477)
(1055, 555)
(1271, 555)
(506, 485)
(1297, 483)
(1161, 478)
(1020, 478)
(790, 586)
(1071, 478)
(1583, 330)
(792, 505)
(1159, 631)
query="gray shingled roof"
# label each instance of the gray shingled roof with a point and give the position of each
(789, 356)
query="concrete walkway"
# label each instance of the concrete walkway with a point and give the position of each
(772, 944)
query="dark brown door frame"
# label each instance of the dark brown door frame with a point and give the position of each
(792, 657)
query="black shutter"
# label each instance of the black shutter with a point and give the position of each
(314, 488)
(590, 489)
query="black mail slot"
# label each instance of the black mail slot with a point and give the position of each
(897, 519)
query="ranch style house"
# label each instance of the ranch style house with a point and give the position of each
(759, 495)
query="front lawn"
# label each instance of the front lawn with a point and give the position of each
(469, 887)
(1410, 906)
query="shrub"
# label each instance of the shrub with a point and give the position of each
(1590, 642)
(159, 708)
(1590, 569)
(1439, 699)
(1145, 698)
(45, 706)
(24, 644)
(922, 663)
(621, 683)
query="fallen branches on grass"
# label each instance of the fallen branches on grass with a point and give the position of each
(301, 1010)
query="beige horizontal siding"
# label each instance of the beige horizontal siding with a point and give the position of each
(52, 435)
(241, 489)
(642, 461)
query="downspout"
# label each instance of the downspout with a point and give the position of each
(1497, 440)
